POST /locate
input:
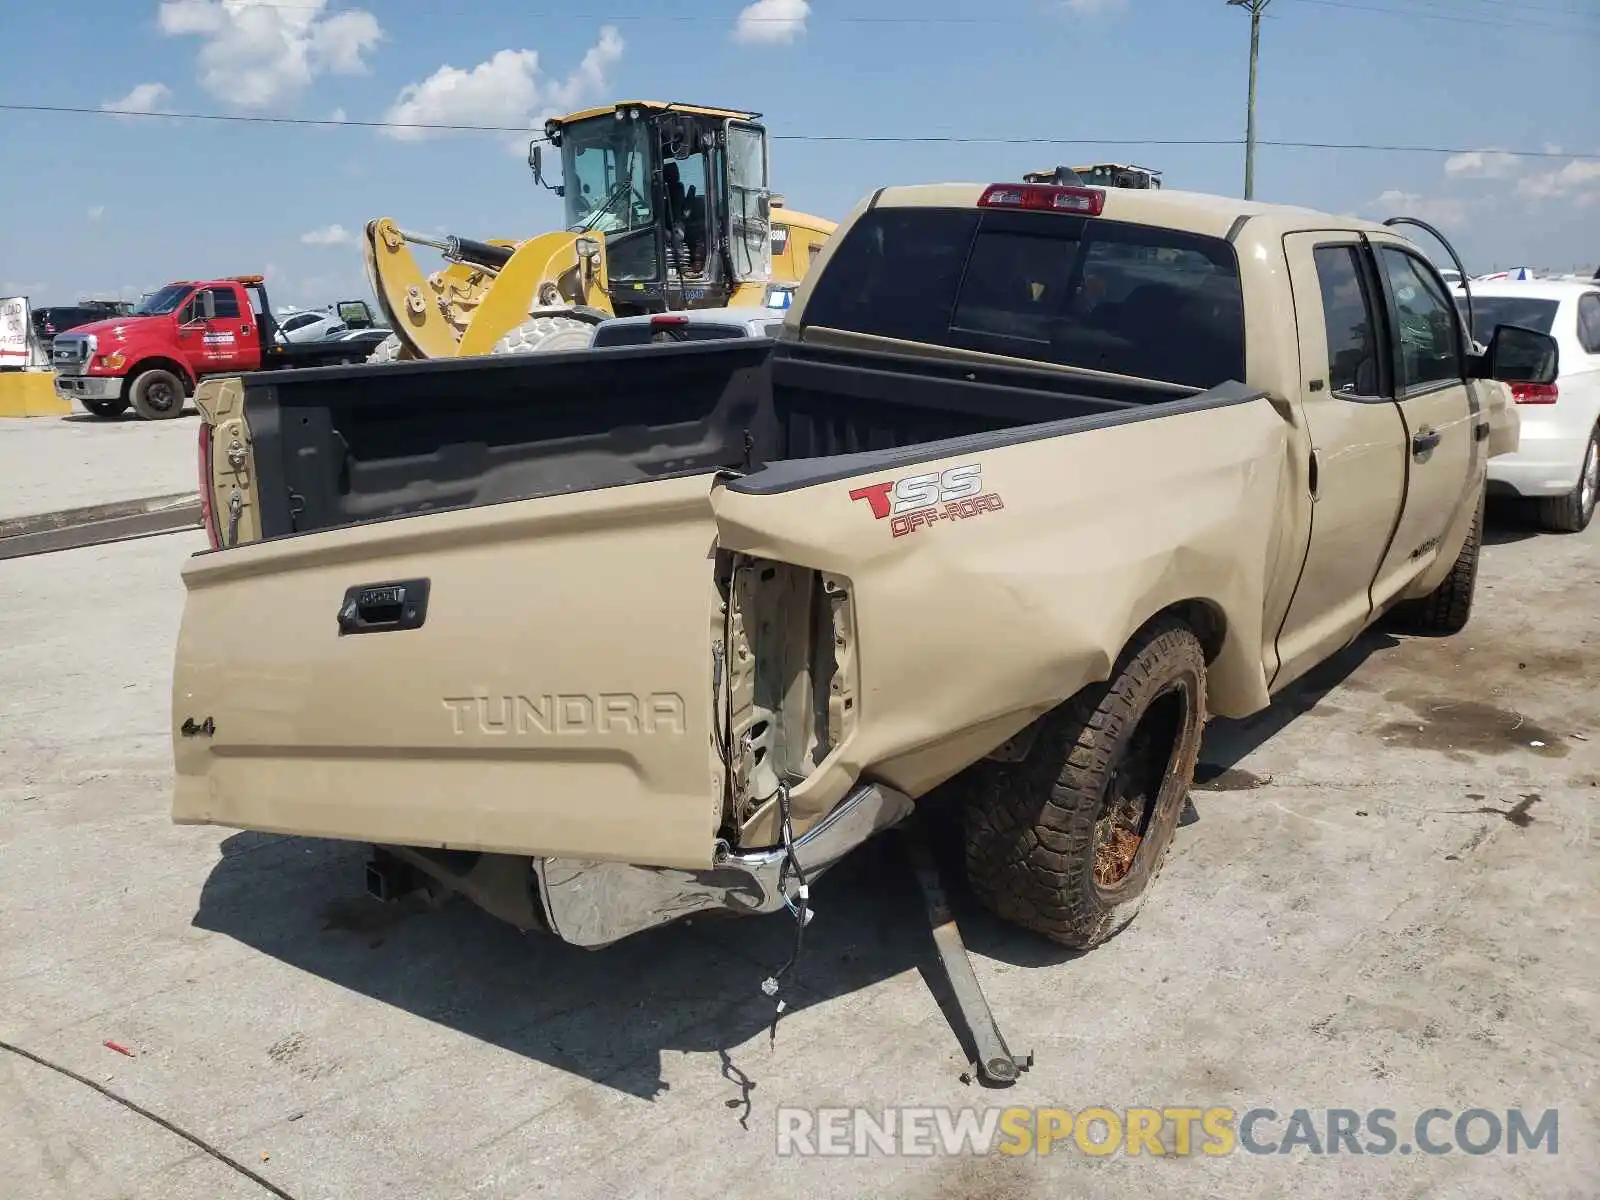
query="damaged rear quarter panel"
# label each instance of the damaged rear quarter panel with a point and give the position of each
(971, 627)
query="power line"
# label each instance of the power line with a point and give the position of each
(865, 139)
(828, 19)
(1455, 18)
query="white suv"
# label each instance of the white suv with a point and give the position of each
(1557, 464)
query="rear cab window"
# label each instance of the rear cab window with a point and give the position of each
(1087, 292)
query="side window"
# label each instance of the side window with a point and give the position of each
(1347, 314)
(1428, 346)
(227, 303)
(1589, 322)
(297, 321)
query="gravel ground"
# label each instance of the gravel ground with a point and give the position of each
(1388, 900)
(52, 463)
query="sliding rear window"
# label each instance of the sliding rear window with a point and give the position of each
(1083, 292)
(642, 334)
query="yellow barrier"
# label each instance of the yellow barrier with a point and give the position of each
(31, 394)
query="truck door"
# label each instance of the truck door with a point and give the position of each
(1358, 444)
(1440, 409)
(748, 199)
(214, 337)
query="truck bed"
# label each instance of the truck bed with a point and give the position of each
(339, 446)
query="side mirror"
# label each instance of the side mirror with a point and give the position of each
(1519, 355)
(202, 306)
(536, 165)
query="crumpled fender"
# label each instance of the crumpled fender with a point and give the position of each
(972, 624)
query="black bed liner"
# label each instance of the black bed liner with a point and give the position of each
(344, 445)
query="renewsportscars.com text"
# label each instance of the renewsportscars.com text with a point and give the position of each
(1178, 1131)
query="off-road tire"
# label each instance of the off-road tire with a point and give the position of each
(1573, 512)
(1031, 826)
(390, 350)
(157, 395)
(1447, 608)
(542, 335)
(106, 408)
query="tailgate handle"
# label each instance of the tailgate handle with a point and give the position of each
(382, 607)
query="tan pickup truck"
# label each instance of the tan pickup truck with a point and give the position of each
(1033, 481)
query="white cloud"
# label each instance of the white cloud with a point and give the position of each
(589, 79)
(98, 211)
(506, 90)
(1579, 179)
(256, 54)
(145, 98)
(1445, 211)
(329, 235)
(772, 22)
(1484, 164)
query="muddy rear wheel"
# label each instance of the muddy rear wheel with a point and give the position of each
(1067, 842)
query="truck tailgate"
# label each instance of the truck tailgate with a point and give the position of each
(580, 728)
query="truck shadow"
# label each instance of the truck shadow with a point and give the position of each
(607, 1015)
(126, 418)
(1228, 741)
(1507, 521)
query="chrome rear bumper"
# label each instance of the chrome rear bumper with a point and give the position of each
(593, 904)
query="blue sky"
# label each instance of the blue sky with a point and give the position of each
(105, 204)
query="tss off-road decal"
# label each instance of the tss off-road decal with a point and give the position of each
(915, 502)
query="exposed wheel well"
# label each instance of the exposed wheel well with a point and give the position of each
(1210, 624)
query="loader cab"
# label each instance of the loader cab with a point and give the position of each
(1120, 175)
(680, 194)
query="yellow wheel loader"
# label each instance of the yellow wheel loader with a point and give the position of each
(668, 207)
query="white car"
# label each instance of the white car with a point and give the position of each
(1557, 464)
(309, 326)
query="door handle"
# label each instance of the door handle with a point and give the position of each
(381, 607)
(1422, 442)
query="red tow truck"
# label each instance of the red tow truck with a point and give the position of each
(153, 358)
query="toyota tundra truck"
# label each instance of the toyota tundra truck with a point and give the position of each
(1033, 480)
(153, 358)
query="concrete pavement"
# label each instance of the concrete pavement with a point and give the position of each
(1388, 900)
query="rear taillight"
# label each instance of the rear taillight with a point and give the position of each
(1040, 197)
(662, 320)
(1535, 393)
(208, 512)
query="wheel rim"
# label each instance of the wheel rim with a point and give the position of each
(1590, 484)
(1137, 788)
(159, 396)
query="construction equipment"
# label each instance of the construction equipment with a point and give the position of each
(668, 207)
(1120, 175)
(1117, 175)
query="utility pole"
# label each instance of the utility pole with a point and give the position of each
(1255, 8)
